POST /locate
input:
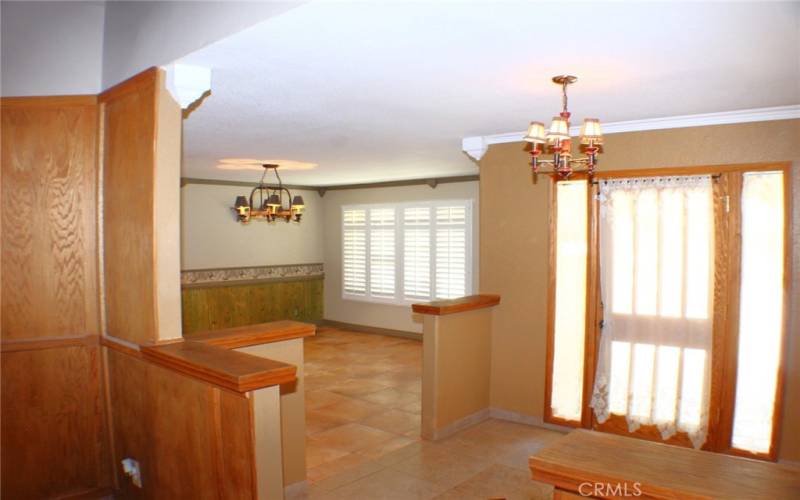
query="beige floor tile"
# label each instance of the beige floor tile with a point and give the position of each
(356, 387)
(442, 466)
(335, 466)
(319, 420)
(395, 421)
(386, 447)
(317, 454)
(350, 437)
(351, 409)
(392, 398)
(386, 485)
(319, 398)
(499, 481)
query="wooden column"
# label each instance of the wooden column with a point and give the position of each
(141, 129)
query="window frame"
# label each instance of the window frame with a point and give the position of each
(399, 238)
(724, 359)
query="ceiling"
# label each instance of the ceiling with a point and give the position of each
(379, 92)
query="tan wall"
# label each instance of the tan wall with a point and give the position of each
(292, 407)
(395, 317)
(456, 375)
(514, 247)
(211, 237)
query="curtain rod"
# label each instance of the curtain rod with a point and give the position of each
(714, 177)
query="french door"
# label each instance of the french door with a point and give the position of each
(667, 305)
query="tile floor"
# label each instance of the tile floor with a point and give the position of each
(362, 420)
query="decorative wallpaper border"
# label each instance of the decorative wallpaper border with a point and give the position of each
(239, 275)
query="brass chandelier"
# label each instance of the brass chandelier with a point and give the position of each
(557, 142)
(268, 203)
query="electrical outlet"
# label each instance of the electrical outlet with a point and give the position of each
(131, 469)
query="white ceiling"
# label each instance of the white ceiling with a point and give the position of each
(376, 92)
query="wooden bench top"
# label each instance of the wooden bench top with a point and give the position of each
(661, 471)
(461, 304)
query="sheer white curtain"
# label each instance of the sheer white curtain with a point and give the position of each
(656, 273)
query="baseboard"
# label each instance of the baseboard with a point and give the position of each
(521, 418)
(370, 329)
(458, 425)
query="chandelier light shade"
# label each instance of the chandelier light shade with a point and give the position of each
(272, 208)
(536, 133)
(559, 130)
(556, 140)
(591, 132)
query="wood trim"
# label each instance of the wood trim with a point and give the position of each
(727, 282)
(218, 284)
(115, 345)
(248, 335)
(432, 182)
(461, 304)
(730, 233)
(594, 306)
(725, 258)
(780, 391)
(36, 344)
(551, 307)
(146, 77)
(661, 471)
(58, 101)
(698, 170)
(232, 370)
(370, 329)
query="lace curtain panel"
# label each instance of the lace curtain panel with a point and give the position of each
(656, 278)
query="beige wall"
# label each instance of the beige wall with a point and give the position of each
(212, 238)
(292, 406)
(514, 247)
(393, 317)
(456, 371)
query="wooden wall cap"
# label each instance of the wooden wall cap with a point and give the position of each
(209, 356)
(232, 370)
(249, 335)
(461, 304)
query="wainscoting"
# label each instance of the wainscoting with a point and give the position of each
(224, 298)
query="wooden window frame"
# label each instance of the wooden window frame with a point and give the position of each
(727, 272)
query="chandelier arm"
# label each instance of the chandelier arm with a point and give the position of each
(289, 194)
(257, 188)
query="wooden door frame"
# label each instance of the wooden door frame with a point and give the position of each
(727, 270)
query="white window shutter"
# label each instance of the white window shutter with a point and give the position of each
(382, 253)
(451, 251)
(354, 238)
(417, 253)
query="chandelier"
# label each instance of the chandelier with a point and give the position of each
(268, 203)
(557, 142)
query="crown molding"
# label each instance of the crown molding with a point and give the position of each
(477, 146)
(432, 182)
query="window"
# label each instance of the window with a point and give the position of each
(667, 306)
(407, 252)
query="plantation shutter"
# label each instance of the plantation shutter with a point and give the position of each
(451, 251)
(417, 253)
(382, 252)
(354, 239)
